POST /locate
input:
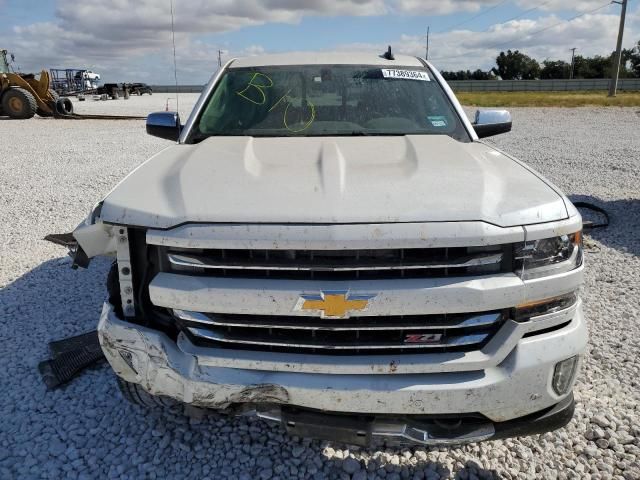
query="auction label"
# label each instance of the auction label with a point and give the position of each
(438, 121)
(405, 74)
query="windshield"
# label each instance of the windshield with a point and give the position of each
(327, 100)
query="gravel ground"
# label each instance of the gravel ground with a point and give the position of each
(138, 105)
(53, 171)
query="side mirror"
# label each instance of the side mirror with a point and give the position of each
(492, 122)
(164, 125)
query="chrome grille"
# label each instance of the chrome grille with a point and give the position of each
(338, 264)
(435, 333)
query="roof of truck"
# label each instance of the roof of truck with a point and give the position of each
(326, 58)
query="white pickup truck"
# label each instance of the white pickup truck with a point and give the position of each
(329, 245)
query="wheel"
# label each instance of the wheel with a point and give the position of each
(64, 106)
(54, 94)
(19, 103)
(137, 395)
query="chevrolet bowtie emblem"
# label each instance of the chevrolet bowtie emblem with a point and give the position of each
(333, 304)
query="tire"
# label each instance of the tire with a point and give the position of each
(55, 97)
(64, 106)
(19, 104)
(137, 395)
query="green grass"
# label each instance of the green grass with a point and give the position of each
(548, 99)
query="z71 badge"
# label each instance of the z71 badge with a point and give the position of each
(423, 338)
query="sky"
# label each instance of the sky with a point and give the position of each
(131, 41)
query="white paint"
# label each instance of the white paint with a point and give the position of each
(331, 180)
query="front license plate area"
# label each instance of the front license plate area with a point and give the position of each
(351, 430)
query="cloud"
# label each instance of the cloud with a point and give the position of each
(113, 34)
(145, 17)
(130, 40)
(555, 5)
(441, 7)
(465, 49)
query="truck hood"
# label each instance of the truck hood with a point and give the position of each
(332, 180)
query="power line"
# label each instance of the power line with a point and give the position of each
(502, 44)
(522, 14)
(515, 17)
(474, 17)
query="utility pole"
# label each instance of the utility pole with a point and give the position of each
(219, 58)
(573, 56)
(427, 52)
(613, 85)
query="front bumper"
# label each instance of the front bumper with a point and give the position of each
(430, 430)
(518, 386)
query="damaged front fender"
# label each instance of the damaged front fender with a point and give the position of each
(91, 238)
(86, 242)
(96, 239)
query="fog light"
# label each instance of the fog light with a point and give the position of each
(563, 375)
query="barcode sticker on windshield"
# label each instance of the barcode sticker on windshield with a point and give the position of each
(438, 121)
(405, 74)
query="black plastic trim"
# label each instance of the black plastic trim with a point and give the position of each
(552, 418)
(491, 129)
(355, 429)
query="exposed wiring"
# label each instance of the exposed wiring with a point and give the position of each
(589, 225)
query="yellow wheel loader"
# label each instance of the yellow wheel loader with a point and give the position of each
(22, 95)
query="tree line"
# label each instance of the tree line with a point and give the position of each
(515, 65)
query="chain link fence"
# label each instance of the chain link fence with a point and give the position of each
(624, 84)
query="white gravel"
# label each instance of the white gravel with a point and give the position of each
(53, 171)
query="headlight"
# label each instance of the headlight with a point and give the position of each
(548, 256)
